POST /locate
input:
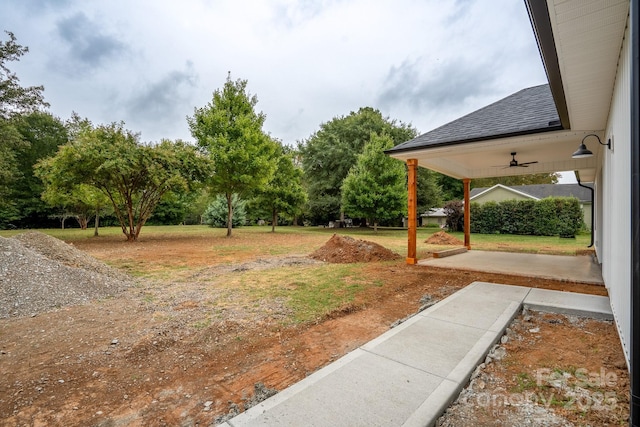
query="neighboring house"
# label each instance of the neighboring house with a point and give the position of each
(500, 192)
(591, 102)
(434, 216)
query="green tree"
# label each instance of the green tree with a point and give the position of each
(329, 154)
(284, 192)
(230, 132)
(10, 142)
(81, 202)
(452, 188)
(14, 100)
(375, 187)
(429, 191)
(43, 134)
(133, 176)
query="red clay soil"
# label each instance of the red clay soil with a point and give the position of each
(344, 249)
(442, 238)
(150, 357)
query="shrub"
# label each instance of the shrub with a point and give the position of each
(552, 216)
(216, 213)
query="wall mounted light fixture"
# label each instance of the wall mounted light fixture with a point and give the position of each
(583, 151)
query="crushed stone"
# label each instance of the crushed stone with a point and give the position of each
(39, 273)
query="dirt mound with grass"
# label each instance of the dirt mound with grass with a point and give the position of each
(442, 238)
(344, 249)
(39, 273)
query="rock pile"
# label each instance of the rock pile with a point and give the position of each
(39, 273)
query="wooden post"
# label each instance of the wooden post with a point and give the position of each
(412, 211)
(467, 214)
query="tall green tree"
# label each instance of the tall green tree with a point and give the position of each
(375, 187)
(429, 191)
(10, 143)
(229, 131)
(14, 101)
(43, 134)
(284, 192)
(329, 154)
(133, 176)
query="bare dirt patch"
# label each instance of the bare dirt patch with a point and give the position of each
(582, 381)
(344, 249)
(442, 238)
(187, 352)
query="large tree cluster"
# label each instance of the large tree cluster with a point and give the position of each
(52, 170)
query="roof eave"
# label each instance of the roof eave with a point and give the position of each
(398, 149)
(541, 24)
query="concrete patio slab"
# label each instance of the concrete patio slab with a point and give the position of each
(580, 268)
(409, 375)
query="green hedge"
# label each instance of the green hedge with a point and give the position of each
(552, 216)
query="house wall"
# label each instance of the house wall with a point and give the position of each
(498, 195)
(614, 249)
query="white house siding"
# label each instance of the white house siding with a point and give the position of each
(615, 250)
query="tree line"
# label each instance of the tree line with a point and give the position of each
(51, 170)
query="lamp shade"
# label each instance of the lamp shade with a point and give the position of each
(582, 152)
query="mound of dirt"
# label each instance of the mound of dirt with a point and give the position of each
(35, 281)
(345, 249)
(442, 238)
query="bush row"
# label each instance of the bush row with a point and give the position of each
(552, 216)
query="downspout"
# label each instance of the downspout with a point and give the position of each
(634, 363)
(592, 202)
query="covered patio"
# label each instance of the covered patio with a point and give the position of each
(581, 268)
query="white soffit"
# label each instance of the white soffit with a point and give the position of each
(588, 36)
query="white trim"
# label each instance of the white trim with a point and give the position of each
(495, 187)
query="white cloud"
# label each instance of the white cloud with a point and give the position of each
(420, 61)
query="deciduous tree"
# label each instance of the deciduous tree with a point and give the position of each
(329, 154)
(14, 100)
(134, 176)
(229, 131)
(284, 192)
(375, 187)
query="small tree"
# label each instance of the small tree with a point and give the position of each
(216, 213)
(230, 132)
(454, 210)
(284, 192)
(375, 187)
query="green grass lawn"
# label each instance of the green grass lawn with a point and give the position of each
(394, 239)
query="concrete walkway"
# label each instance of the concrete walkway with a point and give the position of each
(581, 268)
(409, 375)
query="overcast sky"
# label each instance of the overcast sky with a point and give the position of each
(150, 63)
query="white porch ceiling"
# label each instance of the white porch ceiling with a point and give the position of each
(552, 151)
(588, 36)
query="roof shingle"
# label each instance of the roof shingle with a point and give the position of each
(530, 110)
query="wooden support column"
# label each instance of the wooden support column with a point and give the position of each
(467, 214)
(412, 188)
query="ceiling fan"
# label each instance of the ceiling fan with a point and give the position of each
(514, 163)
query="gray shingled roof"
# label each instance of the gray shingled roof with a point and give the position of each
(528, 111)
(541, 191)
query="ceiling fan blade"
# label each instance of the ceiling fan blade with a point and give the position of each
(527, 163)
